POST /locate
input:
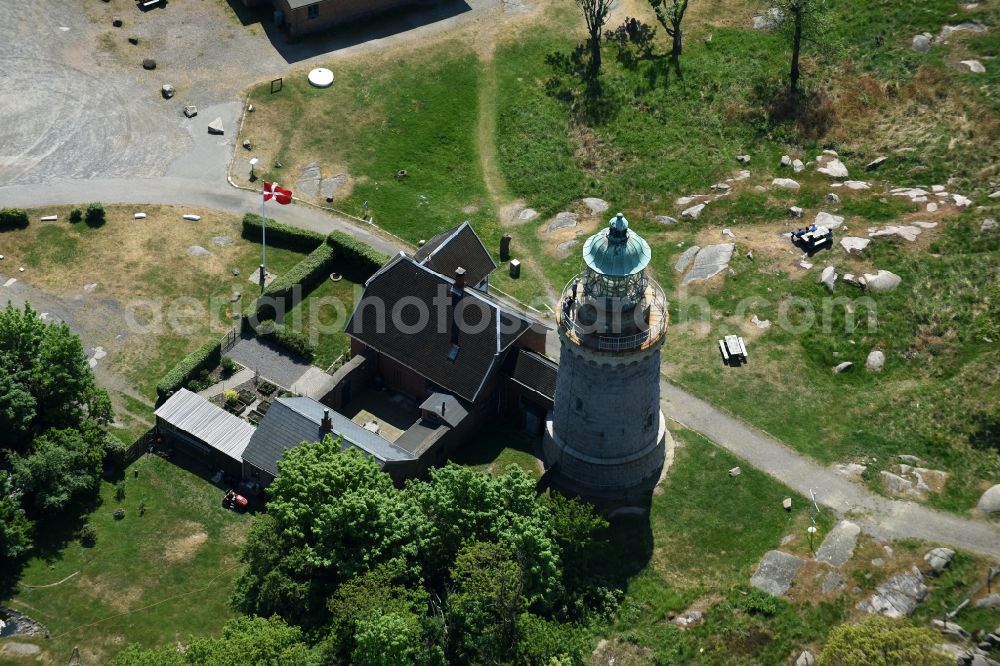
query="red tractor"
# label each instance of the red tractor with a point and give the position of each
(234, 501)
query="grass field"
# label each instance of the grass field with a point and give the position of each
(415, 111)
(153, 579)
(151, 302)
(632, 139)
(704, 536)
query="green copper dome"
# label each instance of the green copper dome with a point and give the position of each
(616, 251)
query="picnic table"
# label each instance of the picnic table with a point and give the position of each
(734, 351)
(812, 236)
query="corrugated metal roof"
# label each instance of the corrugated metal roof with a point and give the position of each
(202, 420)
(291, 421)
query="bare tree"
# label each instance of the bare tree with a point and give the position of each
(803, 20)
(670, 13)
(595, 12)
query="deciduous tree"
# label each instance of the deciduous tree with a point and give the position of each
(61, 465)
(802, 21)
(244, 640)
(595, 13)
(15, 529)
(670, 14)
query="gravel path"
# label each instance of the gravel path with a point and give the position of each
(215, 194)
(879, 516)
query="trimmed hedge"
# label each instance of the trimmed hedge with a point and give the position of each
(308, 273)
(356, 260)
(205, 357)
(280, 235)
(290, 339)
(13, 218)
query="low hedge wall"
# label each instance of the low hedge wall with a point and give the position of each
(308, 273)
(13, 218)
(204, 357)
(280, 235)
(291, 340)
(354, 259)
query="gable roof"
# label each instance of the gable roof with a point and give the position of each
(453, 411)
(408, 313)
(196, 416)
(291, 421)
(458, 247)
(532, 371)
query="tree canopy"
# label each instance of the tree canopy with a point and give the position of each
(52, 418)
(457, 565)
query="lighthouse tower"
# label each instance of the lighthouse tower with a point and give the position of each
(606, 437)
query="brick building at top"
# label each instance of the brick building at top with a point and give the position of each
(301, 17)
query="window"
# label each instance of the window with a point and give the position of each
(313, 11)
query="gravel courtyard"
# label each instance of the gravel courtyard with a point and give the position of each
(77, 103)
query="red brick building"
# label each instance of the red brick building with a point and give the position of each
(301, 17)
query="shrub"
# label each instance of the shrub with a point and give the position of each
(88, 536)
(142, 507)
(120, 491)
(232, 397)
(202, 358)
(95, 216)
(229, 366)
(759, 602)
(356, 260)
(280, 235)
(114, 451)
(119, 513)
(291, 340)
(13, 218)
(75, 216)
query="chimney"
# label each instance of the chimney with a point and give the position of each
(459, 286)
(442, 407)
(326, 425)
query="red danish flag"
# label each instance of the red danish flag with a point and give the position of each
(278, 193)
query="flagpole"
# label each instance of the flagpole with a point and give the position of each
(263, 241)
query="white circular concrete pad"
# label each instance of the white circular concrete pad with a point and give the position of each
(321, 77)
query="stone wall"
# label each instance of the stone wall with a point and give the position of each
(606, 433)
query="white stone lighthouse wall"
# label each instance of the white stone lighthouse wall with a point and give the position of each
(606, 433)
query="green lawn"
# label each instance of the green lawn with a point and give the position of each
(416, 112)
(322, 316)
(152, 579)
(498, 447)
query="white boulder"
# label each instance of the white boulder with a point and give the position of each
(882, 281)
(828, 220)
(990, 501)
(785, 183)
(875, 361)
(853, 244)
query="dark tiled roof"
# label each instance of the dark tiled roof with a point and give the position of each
(291, 421)
(407, 313)
(532, 370)
(458, 247)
